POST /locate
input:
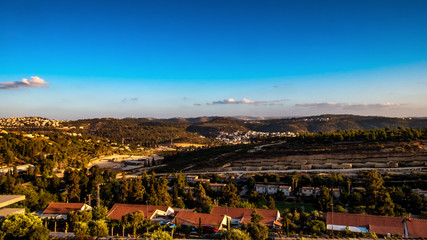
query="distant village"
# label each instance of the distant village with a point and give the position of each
(29, 122)
(240, 137)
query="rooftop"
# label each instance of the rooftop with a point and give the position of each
(417, 227)
(7, 211)
(119, 210)
(270, 216)
(6, 200)
(193, 218)
(62, 208)
(377, 224)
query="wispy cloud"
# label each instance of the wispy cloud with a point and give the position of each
(332, 105)
(125, 100)
(34, 81)
(247, 101)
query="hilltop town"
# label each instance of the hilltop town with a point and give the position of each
(18, 122)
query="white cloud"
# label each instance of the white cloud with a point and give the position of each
(248, 101)
(34, 81)
(125, 100)
(332, 105)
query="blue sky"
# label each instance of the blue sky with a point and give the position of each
(86, 59)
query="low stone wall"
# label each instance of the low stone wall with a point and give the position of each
(330, 161)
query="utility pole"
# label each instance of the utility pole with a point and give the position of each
(147, 215)
(332, 219)
(98, 197)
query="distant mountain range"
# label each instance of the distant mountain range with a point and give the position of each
(211, 126)
(210, 118)
(325, 123)
(159, 130)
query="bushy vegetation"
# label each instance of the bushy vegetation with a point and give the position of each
(139, 132)
(23, 226)
(50, 150)
(379, 135)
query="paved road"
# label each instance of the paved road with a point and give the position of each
(400, 170)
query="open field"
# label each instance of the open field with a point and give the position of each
(188, 145)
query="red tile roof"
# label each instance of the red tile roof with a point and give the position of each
(193, 218)
(119, 210)
(417, 227)
(375, 224)
(218, 184)
(62, 208)
(270, 216)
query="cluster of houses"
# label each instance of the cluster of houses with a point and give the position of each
(239, 137)
(29, 121)
(19, 168)
(272, 189)
(194, 179)
(218, 217)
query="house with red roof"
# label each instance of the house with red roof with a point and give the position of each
(380, 225)
(61, 210)
(153, 213)
(243, 215)
(216, 220)
(363, 223)
(415, 228)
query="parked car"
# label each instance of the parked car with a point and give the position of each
(170, 224)
(209, 229)
(190, 227)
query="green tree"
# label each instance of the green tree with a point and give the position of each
(135, 219)
(79, 216)
(379, 201)
(98, 228)
(39, 233)
(81, 228)
(317, 226)
(159, 235)
(99, 213)
(72, 181)
(256, 230)
(176, 199)
(271, 203)
(24, 226)
(235, 234)
(325, 200)
(256, 217)
(229, 195)
(203, 201)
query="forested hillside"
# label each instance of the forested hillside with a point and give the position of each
(143, 132)
(146, 132)
(332, 123)
(50, 150)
